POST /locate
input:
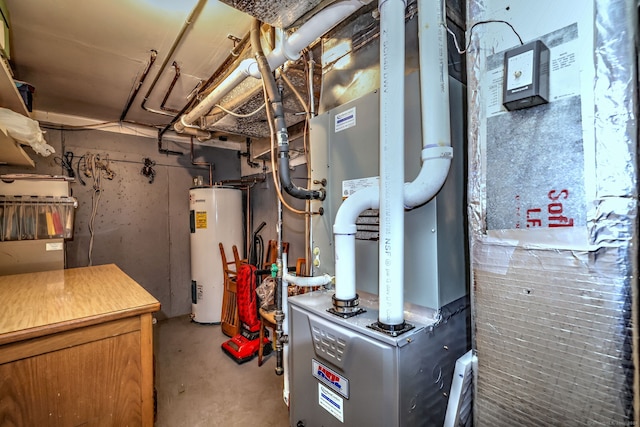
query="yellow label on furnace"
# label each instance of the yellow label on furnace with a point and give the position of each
(201, 220)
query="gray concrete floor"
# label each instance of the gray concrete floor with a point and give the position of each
(199, 385)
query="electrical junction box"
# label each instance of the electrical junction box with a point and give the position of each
(526, 76)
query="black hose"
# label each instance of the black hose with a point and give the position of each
(282, 136)
(257, 247)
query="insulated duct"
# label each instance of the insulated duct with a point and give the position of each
(289, 49)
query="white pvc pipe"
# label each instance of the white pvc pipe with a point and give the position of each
(344, 230)
(391, 246)
(234, 79)
(434, 94)
(436, 154)
(290, 49)
(308, 282)
(319, 24)
(299, 281)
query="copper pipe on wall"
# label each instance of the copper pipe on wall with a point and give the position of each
(241, 182)
(202, 164)
(244, 185)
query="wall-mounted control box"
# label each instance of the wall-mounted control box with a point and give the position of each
(526, 76)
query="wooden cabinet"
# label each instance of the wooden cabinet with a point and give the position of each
(11, 152)
(76, 349)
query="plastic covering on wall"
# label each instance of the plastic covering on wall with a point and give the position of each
(552, 204)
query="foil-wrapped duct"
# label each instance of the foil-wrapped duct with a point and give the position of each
(554, 273)
(277, 13)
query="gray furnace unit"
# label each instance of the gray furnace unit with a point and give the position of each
(343, 372)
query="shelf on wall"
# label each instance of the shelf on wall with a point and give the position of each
(11, 153)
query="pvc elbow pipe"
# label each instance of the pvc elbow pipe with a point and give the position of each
(435, 168)
(319, 24)
(434, 99)
(301, 280)
(344, 230)
(201, 134)
(307, 282)
(352, 207)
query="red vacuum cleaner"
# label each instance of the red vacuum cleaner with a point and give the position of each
(244, 346)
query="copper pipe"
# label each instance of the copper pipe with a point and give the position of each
(229, 60)
(171, 86)
(241, 182)
(202, 164)
(152, 59)
(192, 16)
(219, 72)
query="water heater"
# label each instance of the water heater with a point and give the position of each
(216, 217)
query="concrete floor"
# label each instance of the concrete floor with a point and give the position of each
(199, 385)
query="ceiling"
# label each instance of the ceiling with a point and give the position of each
(85, 58)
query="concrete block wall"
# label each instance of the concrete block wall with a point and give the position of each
(140, 226)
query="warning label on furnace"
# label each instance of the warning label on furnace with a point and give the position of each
(201, 219)
(331, 402)
(345, 120)
(350, 186)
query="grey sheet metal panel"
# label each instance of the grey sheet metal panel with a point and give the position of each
(392, 382)
(435, 260)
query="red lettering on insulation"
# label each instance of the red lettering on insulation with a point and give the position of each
(555, 212)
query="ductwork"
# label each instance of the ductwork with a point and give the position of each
(392, 195)
(281, 13)
(289, 49)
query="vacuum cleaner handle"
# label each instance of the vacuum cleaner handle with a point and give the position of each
(260, 227)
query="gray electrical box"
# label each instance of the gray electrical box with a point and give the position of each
(526, 76)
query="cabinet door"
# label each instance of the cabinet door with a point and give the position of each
(93, 384)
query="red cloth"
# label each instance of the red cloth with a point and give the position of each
(247, 308)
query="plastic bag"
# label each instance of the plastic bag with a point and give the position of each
(26, 131)
(266, 292)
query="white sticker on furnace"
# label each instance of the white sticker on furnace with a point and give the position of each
(346, 119)
(350, 186)
(331, 402)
